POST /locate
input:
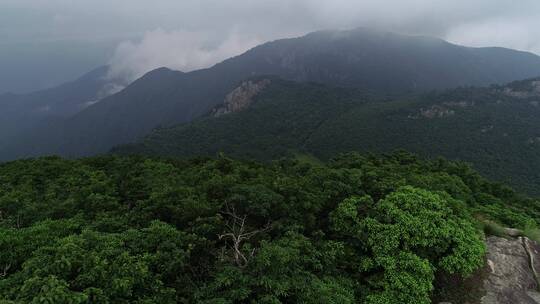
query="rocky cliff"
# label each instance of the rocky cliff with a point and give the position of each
(513, 265)
(241, 97)
(511, 274)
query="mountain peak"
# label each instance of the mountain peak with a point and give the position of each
(361, 58)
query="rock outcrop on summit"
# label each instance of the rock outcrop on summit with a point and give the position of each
(513, 268)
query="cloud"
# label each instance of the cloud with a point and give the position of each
(190, 34)
(24, 18)
(522, 34)
(208, 31)
(180, 50)
(111, 88)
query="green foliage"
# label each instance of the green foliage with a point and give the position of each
(532, 232)
(493, 228)
(356, 229)
(407, 235)
(491, 129)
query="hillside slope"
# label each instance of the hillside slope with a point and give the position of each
(21, 112)
(494, 128)
(358, 58)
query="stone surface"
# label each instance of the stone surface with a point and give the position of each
(241, 97)
(533, 250)
(435, 111)
(511, 278)
(532, 91)
(513, 232)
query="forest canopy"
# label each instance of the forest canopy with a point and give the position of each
(358, 228)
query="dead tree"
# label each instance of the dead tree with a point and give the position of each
(5, 271)
(237, 234)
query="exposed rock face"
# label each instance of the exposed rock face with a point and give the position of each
(533, 140)
(487, 129)
(513, 232)
(459, 104)
(241, 97)
(513, 265)
(533, 90)
(432, 112)
(445, 109)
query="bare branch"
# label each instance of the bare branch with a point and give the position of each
(5, 271)
(237, 234)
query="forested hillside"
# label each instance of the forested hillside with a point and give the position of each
(361, 58)
(496, 128)
(357, 229)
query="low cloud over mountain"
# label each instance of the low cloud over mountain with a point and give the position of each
(140, 35)
(178, 49)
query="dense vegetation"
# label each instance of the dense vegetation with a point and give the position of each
(359, 228)
(496, 129)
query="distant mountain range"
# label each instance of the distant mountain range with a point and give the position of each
(363, 59)
(23, 112)
(495, 128)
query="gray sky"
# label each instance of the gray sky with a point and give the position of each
(44, 42)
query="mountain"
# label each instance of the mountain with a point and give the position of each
(360, 58)
(495, 128)
(21, 112)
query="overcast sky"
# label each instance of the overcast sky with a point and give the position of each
(45, 42)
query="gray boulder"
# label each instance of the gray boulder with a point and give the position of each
(512, 271)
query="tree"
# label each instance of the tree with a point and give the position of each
(404, 238)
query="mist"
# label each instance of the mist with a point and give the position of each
(135, 36)
(180, 50)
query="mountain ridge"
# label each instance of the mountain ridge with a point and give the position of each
(494, 128)
(21, 112)
(370, 60)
